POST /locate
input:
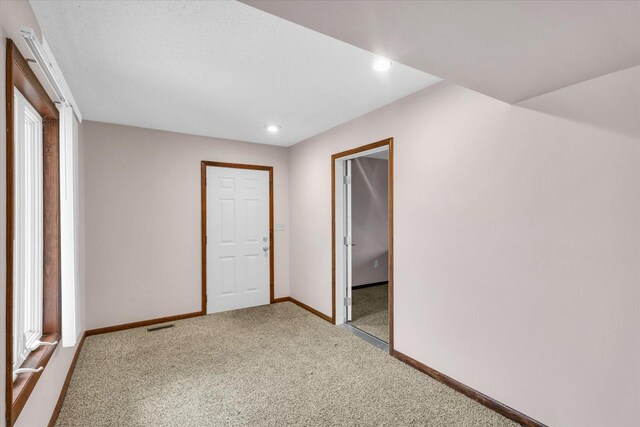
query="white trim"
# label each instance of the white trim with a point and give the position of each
(67, 226)
(28, 236)
(71, 101)
(339, 247)
(43, 56)
(347, 247)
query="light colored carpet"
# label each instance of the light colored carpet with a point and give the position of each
(273, 365)
(370, 310)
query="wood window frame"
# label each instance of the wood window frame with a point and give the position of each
(20, 76)
(203, 218)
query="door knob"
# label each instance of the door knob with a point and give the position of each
(266, 248)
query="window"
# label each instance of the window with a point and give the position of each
(33, 230)
(28, 255)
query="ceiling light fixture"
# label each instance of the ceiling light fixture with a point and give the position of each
(382, 64)
(272, 128)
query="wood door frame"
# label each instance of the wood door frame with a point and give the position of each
(385, 142)
(203, 212)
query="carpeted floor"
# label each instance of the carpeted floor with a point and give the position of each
(273, 365)
(370, 310)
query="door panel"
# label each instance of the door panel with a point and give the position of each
(348, 241)
(227, 268)
(228, 219)
(238, 267)
(252, 263)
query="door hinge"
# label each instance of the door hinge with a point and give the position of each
(347, 301)
(347, 240)
(347, 179)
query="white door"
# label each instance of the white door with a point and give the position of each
(348, 241)
(238, 268)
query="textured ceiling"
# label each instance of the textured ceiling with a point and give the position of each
(508, 50)
(217, 68)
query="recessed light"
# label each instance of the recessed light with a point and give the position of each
(272, 128)
(381, 64)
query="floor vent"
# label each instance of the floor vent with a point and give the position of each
(157, 328)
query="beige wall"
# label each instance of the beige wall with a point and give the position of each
(143, 219)
(517, 243)
(370, 220)
(42, 401)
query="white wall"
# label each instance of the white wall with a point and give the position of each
(142, 187)
(370, 220)
(517, 243)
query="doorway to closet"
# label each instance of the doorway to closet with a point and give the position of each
(363, 238)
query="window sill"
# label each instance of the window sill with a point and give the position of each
(25, 383)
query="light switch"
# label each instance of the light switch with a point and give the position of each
(279, 226)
